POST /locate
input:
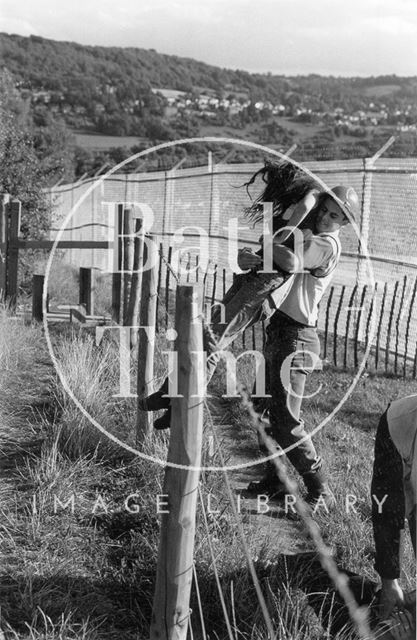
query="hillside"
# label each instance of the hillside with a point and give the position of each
(43, 64)
(156, 97)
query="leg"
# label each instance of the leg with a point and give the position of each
(242, 307)
(291, 351)
(288, 353)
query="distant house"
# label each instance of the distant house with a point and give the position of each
(41, 96)
(170, 95)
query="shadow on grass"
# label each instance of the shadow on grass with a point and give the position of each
(299, 595)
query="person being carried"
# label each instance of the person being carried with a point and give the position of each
(292, 348)
(394, 495)
(294, 196)
(296, 200)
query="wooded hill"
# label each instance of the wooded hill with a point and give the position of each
(113, 91)
(82, 73)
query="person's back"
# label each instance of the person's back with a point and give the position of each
(394, 493)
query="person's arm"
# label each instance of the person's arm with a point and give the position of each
(316, 252)
(300, 212)
(388, 509)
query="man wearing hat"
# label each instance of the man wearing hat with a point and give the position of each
(292, 348)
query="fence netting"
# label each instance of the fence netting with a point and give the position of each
(191, 209)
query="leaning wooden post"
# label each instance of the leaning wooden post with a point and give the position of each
(37, 293)
(397, 323)
(146, 348)
(407, 330)
(117, 265)
(135, 284)
(86, 292)
(15, 209)
(171, 609)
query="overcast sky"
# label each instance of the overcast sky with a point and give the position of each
(329, 37)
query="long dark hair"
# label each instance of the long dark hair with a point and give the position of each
(286, 184)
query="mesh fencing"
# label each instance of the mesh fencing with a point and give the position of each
(192, 208)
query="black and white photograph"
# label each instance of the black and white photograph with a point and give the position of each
(208, 320)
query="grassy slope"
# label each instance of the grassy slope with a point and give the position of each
(90, 574)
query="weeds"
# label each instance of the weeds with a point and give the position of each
(79, 526)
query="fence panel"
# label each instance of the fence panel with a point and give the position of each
(203, 200)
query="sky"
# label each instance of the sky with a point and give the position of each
(291, 37)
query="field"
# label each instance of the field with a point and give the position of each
(250, 132)
(101, 142)
(85, 571)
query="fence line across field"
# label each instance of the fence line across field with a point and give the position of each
(345, 312)
(209, 196)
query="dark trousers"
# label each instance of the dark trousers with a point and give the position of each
(290, 352)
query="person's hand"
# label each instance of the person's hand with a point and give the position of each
(391, 596)
(247, 259)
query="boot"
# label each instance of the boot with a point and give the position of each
(164, 422)
(319, 493)
(269, 485)
(156, 401)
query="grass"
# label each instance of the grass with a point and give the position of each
(63, 286)
(77, 564)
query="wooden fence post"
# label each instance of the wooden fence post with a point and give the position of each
(358, 325)
(135, 284)
(336, 322)
(146, 349)
(381, 317)
(128, 245)
(3, 244)
(86, 292)
(369, 318)
(167, 277)
(15, 209)
(407, 330)
(171, 610)
(213, 291)
(117, 275)
(348, 317)
(326, 325)
(158, 286)
(37, 292)
(397, 323)
(391, 316)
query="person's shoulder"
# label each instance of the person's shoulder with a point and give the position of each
(331, 239)
(327, 238)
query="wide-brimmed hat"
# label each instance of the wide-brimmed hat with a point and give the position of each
(347, 199)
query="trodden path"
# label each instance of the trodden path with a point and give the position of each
(267, 524)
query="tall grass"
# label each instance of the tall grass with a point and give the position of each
(77, 564)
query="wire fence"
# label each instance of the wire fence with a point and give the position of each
(191, 211)
(380, 319)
